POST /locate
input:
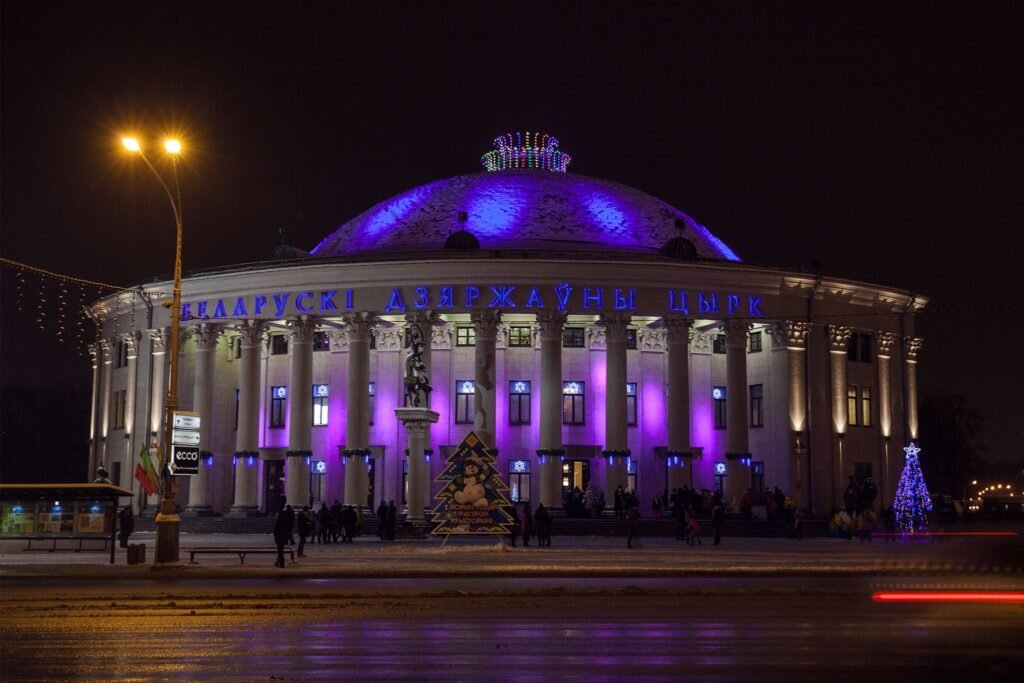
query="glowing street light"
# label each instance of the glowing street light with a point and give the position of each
(168, 523)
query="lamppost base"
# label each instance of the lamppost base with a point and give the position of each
(167, 529)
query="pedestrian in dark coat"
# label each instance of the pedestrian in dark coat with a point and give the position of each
(349, 520)
(542, 520)
(335, 521)
(305, 520)
(281, 531)
(392, 520)
(620, 501)
(289, 512)
(632, 526)
(127, 522)
(515, 526)
(527, 524)
(682, 528)
(323, 518)
(717, 516)
(382, 520)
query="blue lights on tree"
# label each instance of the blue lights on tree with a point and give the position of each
(912, 503)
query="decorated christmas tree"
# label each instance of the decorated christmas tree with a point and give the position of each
(912, 503)
(473, 499)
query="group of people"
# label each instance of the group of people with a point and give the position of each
(579, 503)
(530, 524)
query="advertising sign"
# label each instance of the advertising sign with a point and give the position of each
(186, 420)
(185, 437)
(184, 460)
(473, 498)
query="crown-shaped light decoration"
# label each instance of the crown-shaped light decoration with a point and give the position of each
(513, 151)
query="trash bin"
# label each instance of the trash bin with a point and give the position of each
(137, 553)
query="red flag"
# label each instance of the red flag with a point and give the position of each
(147, 484)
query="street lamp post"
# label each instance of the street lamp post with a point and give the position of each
(168, 523)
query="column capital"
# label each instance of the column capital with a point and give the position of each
(615, 326)
(884, 341)
(388, 338)
(678, 329)
(251, 332)
(551, 324)
(338, 340)
(913, 347)
(703, 342)
(791, 334)
(736, 333)
(839, 338)
(360, 326)
(441, 337)
(206, 336)
(94, 353)
(597, 337)
(485, 322)
(302, 329)
(423, 318)
(157, 340)
(655, 340)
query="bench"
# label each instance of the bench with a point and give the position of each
(74, 539)
(241, 552)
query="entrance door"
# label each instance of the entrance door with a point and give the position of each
(317, 474)
(273, 486)
(371, 473)
(575, 474)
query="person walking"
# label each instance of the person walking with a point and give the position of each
(694, 532)
(127, 525)
(281, 531)
(349, 519)
(323, 518)
(682, 530)
(632, 526)
(305, 521)
(527, 524)
(717, 516)
(619, 503)
(335, 521)
(542, 520)
(382, 519)
(289, 512)
(514, 526)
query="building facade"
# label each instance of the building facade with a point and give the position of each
(592, 333)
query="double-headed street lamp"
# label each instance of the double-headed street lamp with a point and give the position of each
(168, 522)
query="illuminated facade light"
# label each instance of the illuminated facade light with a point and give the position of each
(517, 151)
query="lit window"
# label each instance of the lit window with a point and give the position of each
(851, 404)
(465, 394)
(465, 336)
(757, 405)
(865, 406)
(321, 396)
(373, 400)
(718, 344)
(520, 336)
(118, 402)
(631, 474)
(278, 344)
(519, 402)
(718, 398)
(754, 342)
(519, 481)
(278, 396)
(321, 341)
(574, 403)
(631, 404)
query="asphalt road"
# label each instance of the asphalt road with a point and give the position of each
(515, 629)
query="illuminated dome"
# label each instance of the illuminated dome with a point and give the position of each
(524, 209)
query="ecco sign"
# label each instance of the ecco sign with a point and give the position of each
(185, 459)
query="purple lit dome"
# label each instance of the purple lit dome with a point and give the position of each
(522, 209)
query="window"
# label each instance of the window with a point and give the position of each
(631, 404)
(519, 481)
(574, 403)
(278, 345)
(519, 402)
(237, 402)
(631, 474)
(757, 405)
(373, 343)
(121, 359)
(718, 396)
(373, 400)
(865, 406)
(405, 480)
(754, 342)
(520, 336)
(278, 396)
(321, 341)
(631, 339)
(718, 344)
(236, 346)
(572, 338)
(851, 404)
(465, 394)
(465, 336)
(321, 396)
(859, 349)
(118, 402)
(757, 479)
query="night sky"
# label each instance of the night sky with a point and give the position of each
(882, 141)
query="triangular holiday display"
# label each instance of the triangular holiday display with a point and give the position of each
(473, 498)
(912, 503)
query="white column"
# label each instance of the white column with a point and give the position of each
(157, 396)
(357, 407)
(131, 342)
(300, 412)
(484, 420)
(419, 471)
(95, 355)
(616, 444)
(248, 438)
(551, 323)
(678, 416)
(839, 341)
(737, 446)
(107, 346)
(884, 342)
(913, 348)
(206, 336)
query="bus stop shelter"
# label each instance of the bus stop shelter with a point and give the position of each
(55, 512)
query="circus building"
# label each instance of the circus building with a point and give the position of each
(595, 335)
